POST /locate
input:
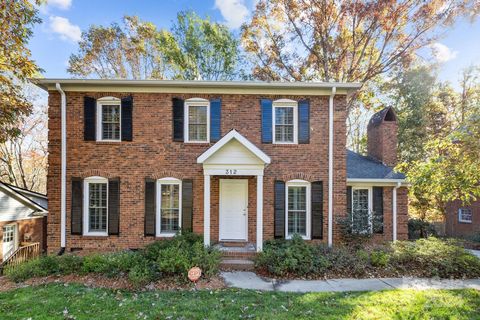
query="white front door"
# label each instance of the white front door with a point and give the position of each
(233, 209)
(9, 240)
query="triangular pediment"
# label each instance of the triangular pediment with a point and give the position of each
(233, 148)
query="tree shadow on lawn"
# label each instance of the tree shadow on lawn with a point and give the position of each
(59, 301)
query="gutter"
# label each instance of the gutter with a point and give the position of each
(394, 211)
(330, 167)
(63, 174)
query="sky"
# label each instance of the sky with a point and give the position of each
(55, 39)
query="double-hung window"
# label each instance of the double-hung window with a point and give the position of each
(108, 119)
(169, 210)
(361, 210)
(197, 120)
(95, 206)
(285, 113)
(465, 215)
(298, 208)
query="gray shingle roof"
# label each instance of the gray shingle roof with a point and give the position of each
(362, 167)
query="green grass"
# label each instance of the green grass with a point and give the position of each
(59, 301)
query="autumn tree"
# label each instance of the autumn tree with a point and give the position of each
(193, 49)
(23, 157)
(347, 41)
(16, 65)
(127, 51)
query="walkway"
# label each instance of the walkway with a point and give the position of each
(249, 280)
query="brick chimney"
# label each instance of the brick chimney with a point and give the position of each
(382, 137)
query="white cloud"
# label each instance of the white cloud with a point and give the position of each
(442, 53)
(61, 4)
(65, 29)
(234, 12)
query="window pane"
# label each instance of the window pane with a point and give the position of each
(97, 207)
(297, 210)
(170, 208)
(197, 123)
(284, 124)
(466, 215)
(360, 212)
(111, 122)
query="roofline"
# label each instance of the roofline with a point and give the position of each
(23, 198)
(403, 182)
(34, 193)
(181, 86)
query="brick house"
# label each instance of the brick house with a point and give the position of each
(22, 219)
(462, 220)
(132, 161)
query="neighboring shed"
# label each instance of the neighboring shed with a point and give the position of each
(22, 219)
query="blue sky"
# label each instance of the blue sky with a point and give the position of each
(63, 20)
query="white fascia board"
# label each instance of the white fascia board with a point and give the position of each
(234, 134)
(377, 182)
(23, 199)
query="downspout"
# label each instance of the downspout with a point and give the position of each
(63, 174)
(330, 167)
(394, 213)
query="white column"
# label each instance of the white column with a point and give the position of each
(394, 213)
(259, 213)
(206, 210)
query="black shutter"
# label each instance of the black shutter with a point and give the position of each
(279, 206)
(303, 121)
(178, 114)
(89, 118)
(150, 188)
(127, 109)
(187, 204)
(349, 201)
(215, 119)
(317, 210)
(377, 209)
(77, 206)
(266, 106)
(113, 206)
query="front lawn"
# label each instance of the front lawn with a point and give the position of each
(72, 301)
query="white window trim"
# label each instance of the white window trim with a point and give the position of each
(158, 224)
(100, 103)
(195, 102)
(370, 206)
(299, 183)
(86, 190)
(460, 215)
(291, 104)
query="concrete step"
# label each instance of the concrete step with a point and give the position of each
(236, 264)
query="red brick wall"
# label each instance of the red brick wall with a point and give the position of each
(29, 230)
(152, 153)
(455, 228)
(382, 142)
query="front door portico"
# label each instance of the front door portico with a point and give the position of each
(233, 155)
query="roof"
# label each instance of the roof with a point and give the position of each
(182, 86)
(26, 196)
(364, 167)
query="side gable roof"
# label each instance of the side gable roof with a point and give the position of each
(234, 134)
(363, 167)
(25, 196)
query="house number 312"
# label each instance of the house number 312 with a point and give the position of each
(231, 171)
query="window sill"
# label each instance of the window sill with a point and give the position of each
(165, 235)
(196, 142)
(303, 237)
(109, 141)
(465, 222)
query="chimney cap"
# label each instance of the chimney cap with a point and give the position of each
(386, 114)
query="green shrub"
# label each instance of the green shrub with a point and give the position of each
(379, 258)
(45, 266)
(433, 257)
(295, 256)
(176, 256)
(112, 264)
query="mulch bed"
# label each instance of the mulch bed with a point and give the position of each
(97, 281)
